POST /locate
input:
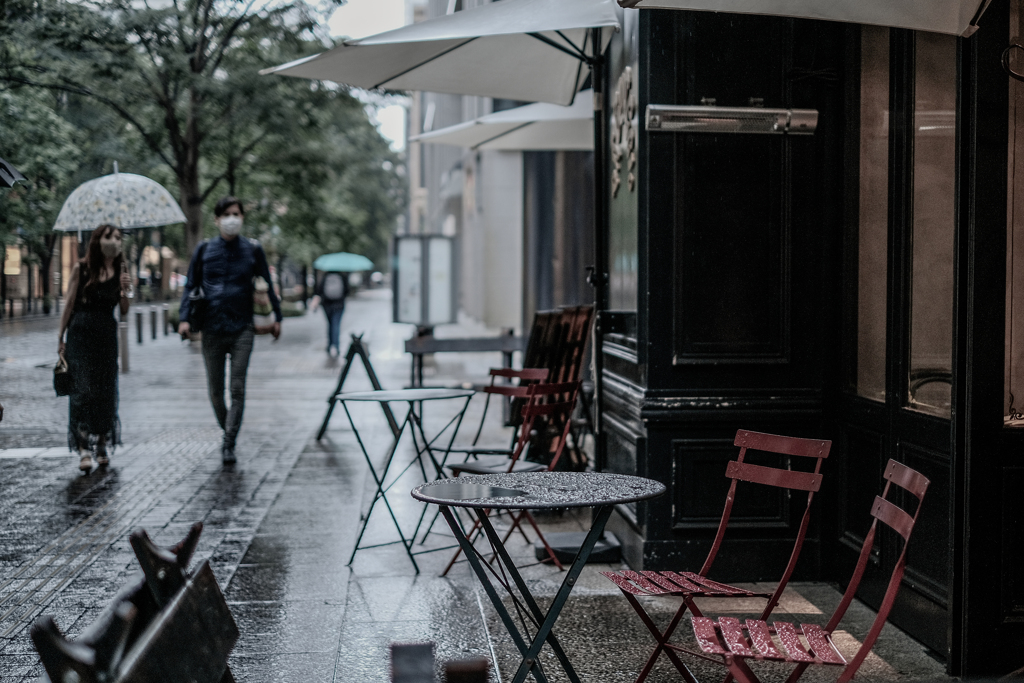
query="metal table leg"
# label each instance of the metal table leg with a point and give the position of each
(381, 491)
(546, 621)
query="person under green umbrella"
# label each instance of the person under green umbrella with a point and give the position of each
(332, 288)
(330, 292)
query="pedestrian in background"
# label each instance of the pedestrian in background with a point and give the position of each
(330, 292)
(229, 264)
(98, 284)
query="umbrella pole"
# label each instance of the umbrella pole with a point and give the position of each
(122, 324)
(599, 276)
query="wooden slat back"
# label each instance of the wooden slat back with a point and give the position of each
(507, 390)
(773, 476)
(553, 389)
(787, 445)
(528, 374)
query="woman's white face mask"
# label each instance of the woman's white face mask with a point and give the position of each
(111, 246)
(230, 225)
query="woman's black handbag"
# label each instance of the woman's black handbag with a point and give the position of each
(196, 296)
(62, 380)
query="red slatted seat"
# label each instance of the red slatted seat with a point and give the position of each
(691, 585)
(730, 643)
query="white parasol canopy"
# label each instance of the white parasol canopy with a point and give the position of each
(957, 17)
(126, 200)
(539, 126)
(530, 50)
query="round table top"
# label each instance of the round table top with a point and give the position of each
(533, 490)
(406, 395)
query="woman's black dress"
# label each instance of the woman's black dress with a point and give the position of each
(91, 353)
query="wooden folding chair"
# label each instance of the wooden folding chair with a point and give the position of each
(730, 643)
(690, 585)
(555, 403)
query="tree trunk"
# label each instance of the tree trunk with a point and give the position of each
(280, 275)
(3, 278)
(305, 287)
(192, 206)
(44, 270)
(188, 177)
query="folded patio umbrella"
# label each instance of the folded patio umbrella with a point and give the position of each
(9, 175)
(530, 50)
(343, 262)
(122, 199)
(957, 17)
(539, 126)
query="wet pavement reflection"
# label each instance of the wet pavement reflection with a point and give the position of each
(280, 525)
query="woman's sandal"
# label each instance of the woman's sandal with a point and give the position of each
(85, 464)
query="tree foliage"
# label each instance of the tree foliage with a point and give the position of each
(181, 80)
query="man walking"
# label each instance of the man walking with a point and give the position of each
(227, 266)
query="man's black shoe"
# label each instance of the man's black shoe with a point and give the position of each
(227, 454)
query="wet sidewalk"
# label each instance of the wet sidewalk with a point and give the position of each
(280, 526)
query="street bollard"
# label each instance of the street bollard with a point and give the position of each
(167, 318)
(164, 626)
(122, 329)
(412, 663)
(138, 326)
(466, 671)
(152, 321)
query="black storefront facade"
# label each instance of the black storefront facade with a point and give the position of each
(856, 285)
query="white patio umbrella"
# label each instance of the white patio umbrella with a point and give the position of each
(539, 126)
(126, 200)
(957, 17)
(530, 50)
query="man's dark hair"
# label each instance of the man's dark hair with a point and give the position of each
(225, 203)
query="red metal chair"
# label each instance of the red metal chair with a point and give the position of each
(526, 377)
(730, 643)
(554, 403)
(690, 585)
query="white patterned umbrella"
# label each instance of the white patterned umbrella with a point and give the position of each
(122, 199)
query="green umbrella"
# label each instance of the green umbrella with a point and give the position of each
(343, 262)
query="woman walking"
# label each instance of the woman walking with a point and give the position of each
(97, 285)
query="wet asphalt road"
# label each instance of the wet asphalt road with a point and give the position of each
(280, 525)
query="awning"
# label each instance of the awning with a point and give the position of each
(530, 50)
(958, 17)
(539, 126)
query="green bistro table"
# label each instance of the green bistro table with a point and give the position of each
(532, 491)
(413, 421)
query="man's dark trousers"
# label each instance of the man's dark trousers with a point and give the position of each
(216, 348)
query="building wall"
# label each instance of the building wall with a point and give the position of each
(475, 197)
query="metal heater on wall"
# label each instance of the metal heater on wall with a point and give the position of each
(424, 277)
(711, 119)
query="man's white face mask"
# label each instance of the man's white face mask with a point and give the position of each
(231, 225)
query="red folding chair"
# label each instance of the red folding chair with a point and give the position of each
(690, 585)
(552, 402)
(730, 643)
(527, 377)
